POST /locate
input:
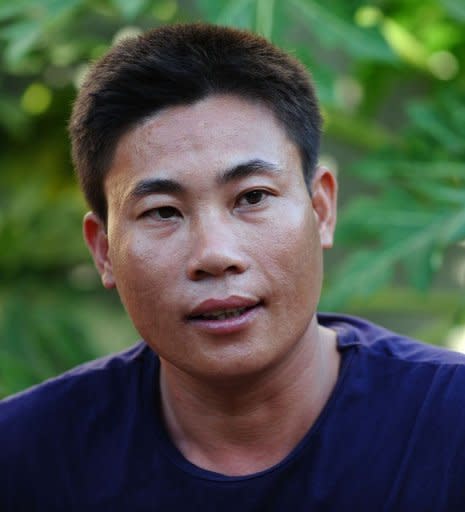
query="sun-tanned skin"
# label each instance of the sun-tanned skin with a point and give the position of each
(208, 211)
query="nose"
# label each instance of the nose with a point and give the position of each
(215, 250)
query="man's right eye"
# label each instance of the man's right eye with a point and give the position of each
(162, 213)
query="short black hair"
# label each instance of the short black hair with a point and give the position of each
(181, 64)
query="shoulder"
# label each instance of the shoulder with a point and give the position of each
(53, 406)
(412, 389)
(402, 374)
(48, 432)
(354, 332)
(400, 368)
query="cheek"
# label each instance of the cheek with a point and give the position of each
(294, 250)
(142, 274)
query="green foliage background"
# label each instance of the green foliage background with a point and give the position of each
(391, 78)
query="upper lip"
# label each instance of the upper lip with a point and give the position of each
(215, 305)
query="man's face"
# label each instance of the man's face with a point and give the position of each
(213, 241)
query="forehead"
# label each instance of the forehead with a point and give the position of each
(212, 134)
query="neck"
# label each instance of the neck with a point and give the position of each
(252, 424)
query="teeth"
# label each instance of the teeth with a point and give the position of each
(222, 315)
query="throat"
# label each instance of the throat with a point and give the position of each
(246, 430)
(236, 460)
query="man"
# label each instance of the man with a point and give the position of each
(196, 147)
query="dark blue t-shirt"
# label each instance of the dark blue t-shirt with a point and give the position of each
(390, 438)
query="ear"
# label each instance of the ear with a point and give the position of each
(97, 241)
(324, 201)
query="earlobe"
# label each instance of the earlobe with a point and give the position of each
(324, 201)
(97, 241)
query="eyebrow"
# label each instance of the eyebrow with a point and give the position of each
(246, 169)
(156, 186)
(168, 186)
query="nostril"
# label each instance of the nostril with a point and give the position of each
(216, 260)
(201, 274)
(215, 271)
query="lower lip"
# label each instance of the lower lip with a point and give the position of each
(227, 325)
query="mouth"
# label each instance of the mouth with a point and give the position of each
(222, 314)
(225, 316)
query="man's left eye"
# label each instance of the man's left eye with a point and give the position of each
(253, 197)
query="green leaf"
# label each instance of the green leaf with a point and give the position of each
(323, 76)
(210, 10)
(368, 270)
(361, 43)
(237, 13)
(455, 107)
(438, 193)
(404, 42)
(23, 36)
(11, 10)
(419, 267)
(453, 229)
(362, 273)
(48, 341)
(130, 9)
(406, 300)
(377, 215)
(356, 130)
(264, 18)
(12, 117)
(429, 121)
(378, 170)
(456, 8)
(58, 8)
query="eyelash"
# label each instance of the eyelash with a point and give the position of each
(156, 211)
(263, 195)
(174, 212)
